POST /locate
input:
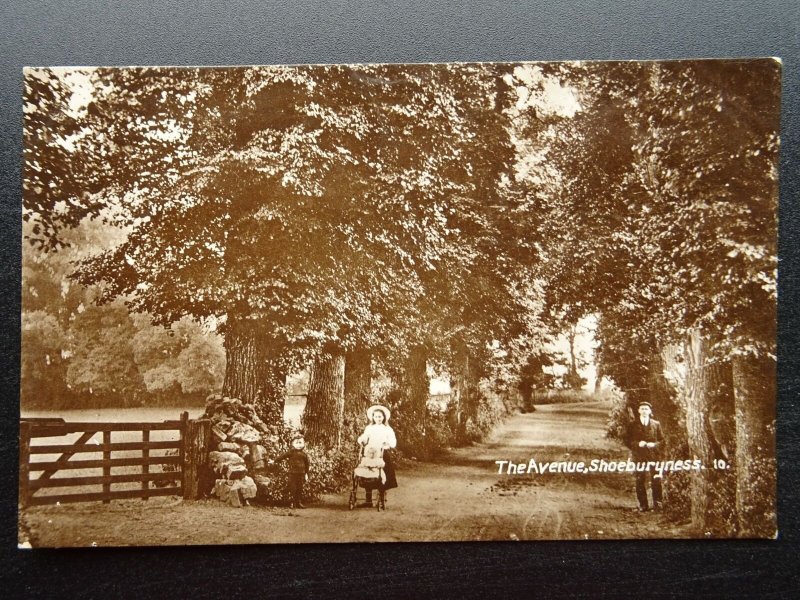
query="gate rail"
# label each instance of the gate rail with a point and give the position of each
(180, 479)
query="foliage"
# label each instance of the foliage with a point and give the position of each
(42, 366)
(572, 396)
(329, 473)
(491, 410)
(182, 358)
(390, 179)
(619, 419)
(493, 405)
(658, 199)
(102, 360)
(75, 353)
(440, 433)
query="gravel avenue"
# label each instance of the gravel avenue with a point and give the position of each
(460, 496)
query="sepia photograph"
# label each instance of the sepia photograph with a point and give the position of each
(399, 303)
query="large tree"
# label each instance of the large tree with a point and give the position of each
(670, 229)
(315, 211)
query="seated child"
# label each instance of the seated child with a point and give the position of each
(371, 465)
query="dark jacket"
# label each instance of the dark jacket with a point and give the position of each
(298, 460)
(647, 433)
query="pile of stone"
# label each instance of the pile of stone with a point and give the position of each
(238, 457)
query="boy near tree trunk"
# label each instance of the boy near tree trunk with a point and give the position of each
(298, 470)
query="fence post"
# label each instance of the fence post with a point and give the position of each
(107, 466)
(182, 452)
(24, 462)
(195, 458)
(145, 464)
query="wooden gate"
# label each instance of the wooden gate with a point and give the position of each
(135, 476)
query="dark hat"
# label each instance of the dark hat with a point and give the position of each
(647, 404)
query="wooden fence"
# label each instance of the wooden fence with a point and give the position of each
(181, 460)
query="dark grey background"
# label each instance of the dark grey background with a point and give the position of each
(137, 32)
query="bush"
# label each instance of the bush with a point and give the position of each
(329, 473)
(490, 412)
(563, 397)
(723, 511)
(439, 432)
(677, 496)
(619, 418)
(492, 408)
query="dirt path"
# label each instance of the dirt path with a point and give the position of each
(461, 496)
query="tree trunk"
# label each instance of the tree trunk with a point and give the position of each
(464, 385)
(357, 393)
(574, 380)
(696, 398)
(666, 409)
(459, 391)
(754, 397)
(253, 370)
(412, 407)
(324, 411)
(598, 381)
(662, 395)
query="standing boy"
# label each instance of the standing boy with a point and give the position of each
(298, 470)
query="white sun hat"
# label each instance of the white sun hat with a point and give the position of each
(386, 412)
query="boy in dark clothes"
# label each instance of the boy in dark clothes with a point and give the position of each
(298, 470)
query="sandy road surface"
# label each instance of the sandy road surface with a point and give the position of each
(461, 496)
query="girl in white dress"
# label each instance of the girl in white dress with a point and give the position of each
(379, 435)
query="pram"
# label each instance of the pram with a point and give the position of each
(369, 475)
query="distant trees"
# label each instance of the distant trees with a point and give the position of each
(102, 358)
(182, 358)
(42, 364)
(74, 351)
